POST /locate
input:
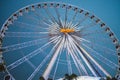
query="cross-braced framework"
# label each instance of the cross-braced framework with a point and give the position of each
(53, 39)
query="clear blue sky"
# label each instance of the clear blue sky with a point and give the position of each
(107, 10)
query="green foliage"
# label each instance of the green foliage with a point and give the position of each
(113, 78)
(2, 68)
(7, 77)
(41, 78)
(70, 77)
(108, 78)
(73, 76)
(50, 79)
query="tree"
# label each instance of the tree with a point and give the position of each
(7, 77)
(70, 77)
(73, 76)
(113, 78)
(2, 68)
(102, 78)
(50, 79)
(41, 78)
(108, 78)
(67, 77)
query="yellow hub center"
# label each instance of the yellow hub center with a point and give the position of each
(66, 30)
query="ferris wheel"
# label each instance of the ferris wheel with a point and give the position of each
(53, 39)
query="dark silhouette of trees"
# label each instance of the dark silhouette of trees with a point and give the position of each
(70, 77)
(108, 78)
(50, 79)
(7, 77)
(2, 68)
(41, 78)
(73, 76)
(113, 78)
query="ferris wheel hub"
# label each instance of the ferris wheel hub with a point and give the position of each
(66, 30)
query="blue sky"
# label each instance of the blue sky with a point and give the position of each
(107, 10)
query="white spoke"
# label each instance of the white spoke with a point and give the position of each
(39, 67)
(109, 51)
(82, 28)
(75, 63)
(79, 22)
(91, 33)
(25, 34)
(52, 61)
(30, 17)
(66, 11)
(29, 26)
(22, 45)
(42, 19)
(80, 39)
(57, 65)
(102, 58)
(85, 60)
(77, 59)
(30, 63)
(70, 50)
(100, 67)
(25, 58)
(69, 63)
(51, 16)
(30, 55)
(58, 15)
(73, 17)
(42, 63)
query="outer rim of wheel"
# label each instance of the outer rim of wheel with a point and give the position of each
(31, 7)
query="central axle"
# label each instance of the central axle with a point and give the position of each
(66, 30)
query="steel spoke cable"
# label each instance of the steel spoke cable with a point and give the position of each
(102, 47)
(31, 17)
(79, 61)
(85, 60)
(81, 39)
(30, 55)
(59, 17)
(71, 53)
(53, 59)
(27, 26)
(57, 63)
(66, 12)
(102, 57)
(73, 18)
(74, 51)
(40, 65)
(92, 32)
(84, 27)
(29, 62)
(97, 64)
(25, 34)
(21, 45)
(80, 22)
(52, 18)
(42, 19)
(69, 62)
